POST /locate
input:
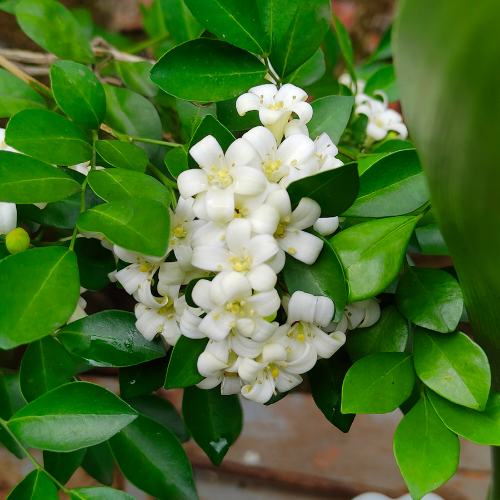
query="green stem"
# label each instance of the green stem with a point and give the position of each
(82, 209)
(147, 43)
(346, 152)
(154, 141)
(162, 177)
(271, 72)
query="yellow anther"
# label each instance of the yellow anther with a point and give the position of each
(162, 310)
(238, 266)
(144, 268)
(159, 329)
(170, 316)
(235, 308)
(215, 315)
(232, 325)
(287, 219)
(292, 251)
(275, 372)
(301, 337)
(293, 163)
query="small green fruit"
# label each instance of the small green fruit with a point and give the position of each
(17, 240)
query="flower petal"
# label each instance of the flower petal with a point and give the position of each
(303, 110)
(277, 263)
(220, 204)
(238, 235)
(269, 116)
(230, 385)
(240, 152)
(280, 201)
(294, 127)
(266, 92)
(265, 303)
(324, 311)
(189, 325)
(248, 181)
(259, 392)
(8, 217)
(212, 233)
(211, 258)
(215, 325)
(326, 345)
(249, 369)
(290, 94)
(326, 225)
(209, 383)
(263, 140)
(192, 181)
(261, 248)
(301, 245)
(246, 347)
(234, 286)
(207, 153)
(247, 102)
(201, 295)
(264, 219)
(209, 366)
(273, 352)
(295, 150)
(287, 381)
(301, 307)
(262, 278)
(306, 214)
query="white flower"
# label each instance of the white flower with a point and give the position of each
(79, 312)
(244, 254)
(292, 159)
(275, 106)
(295, 127)
(326, 152)
(3, 144)
(345, 79)
(84, 168)
(8, 217)
(357, 315)
(230, 304)
(171, 273)
(381, 120)
(289, 235)
(182, 227)
(220, 177)
(326, 225)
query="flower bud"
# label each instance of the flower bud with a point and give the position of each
(8, 217)
(17, 240)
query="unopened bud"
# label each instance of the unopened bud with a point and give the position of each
(17, 240)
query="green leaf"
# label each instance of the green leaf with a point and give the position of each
(35, 486)
(310, 72)
(140, 225)
(214, 420)
(378, 383)
(143, 379)
(275, 18)
(176, 160)
(335, 190)
(393, 145)
(123, 155)
(210, 126)
(78, 92)
(298, 45)
(109, 338)
(99, 463)
(179, 21)
(26, 180)
(383, 79)
(54, 28)
(207, 70)
(94, 263)
(325, 380)
(122, 185)
(323, 278)
(372, 254)
(431, 240)
(9, 5)
(192, 115)
(235, 22)
(16, 95)
(430, 298)
(134, 115)
(135, 75)
(453, 366)
(182, 368)
(389, 334)
(98, 493)
(11, 400)
(481, 427)
(162, 411)
(229, 117)
(48, 136)
(345, 46)
(152, 459)
(331, 115)
(71, 417)
(45, 366)
(426, 451)
(62, 465)
(392, 185)
(44, 302)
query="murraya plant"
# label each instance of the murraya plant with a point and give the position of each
(262, 213)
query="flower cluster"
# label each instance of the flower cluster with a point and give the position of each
(233, 225)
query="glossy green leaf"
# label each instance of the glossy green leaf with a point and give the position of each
(151, 458)
(46, 365)
(453, 366)
(392, 185)
(123, 155)
(11, 400)
(135, 75)
(481, 427)
(426, 451)
(26, 180)
(120, 184)
(71, 417)
(378, 383)
(324, 278)
(372, 254)
(298, 44)
(78, 92)
(47, 136)
(162, 411)
(35, 486)
(393, 145)
(140, 225)
(275, 18)
(54, 28)
(345, 46)
(143, 379)
(182, 368)
(191, 115)
(214, 420)
(229, 117)
(383, 79)
(431, 240)
(207, 70)
(109, 338)
(94, 263)
(44, 302)
(236, 22)
(98, 493)
(325, 380)
(99, 463)
(133, 114)
(179, 21)
(389, 334)
(210, 126)
(335, 190)
(16, 95)
(330, 115)
(430, 298)
(310, 72)
(176, 160)
(62, 465)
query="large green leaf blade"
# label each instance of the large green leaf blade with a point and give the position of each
(426, 451)
(345, 45)
(11, 400)
(179, 21)
(143, 379)
(35, 486)
(71, 417)
(99, 463)
(16, 95)
(98, 493)
(44, 302)
(62, 465)
(453, 366)
(330, 115)
(123, 155)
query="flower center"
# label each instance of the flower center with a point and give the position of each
(277, 106)
(178, 232)
(379, 123)
(145, 267)
(281, 229)
(240, 212)
(274, 370)
(270, 167)
(220, 178)
(240, 264)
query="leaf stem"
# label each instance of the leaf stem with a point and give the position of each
(162, 177)
(147, 43)
(153, 141)
(82, 209)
